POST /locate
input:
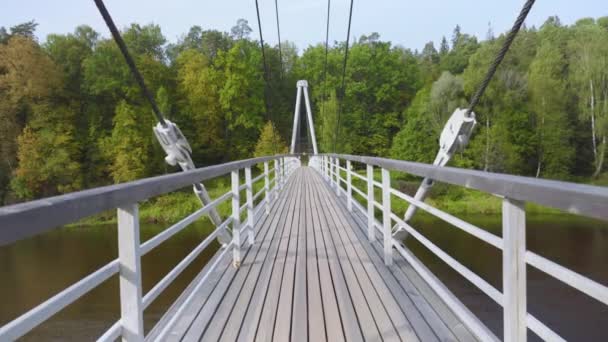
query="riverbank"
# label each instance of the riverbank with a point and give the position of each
(457, 201)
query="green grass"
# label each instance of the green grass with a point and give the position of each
(175, 206)
(449, 198)
(452, 199)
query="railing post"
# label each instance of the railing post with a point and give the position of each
(322, 162)
(131, 307)
(236, 220)
(277, 178)
(514, 270)
(349, 186)
(266, 188)
(371, 217)
(330, 171)
(386, 217)
(249, 194)
(325, 164)
(282, 171)
(337, 169)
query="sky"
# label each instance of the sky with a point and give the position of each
(407, 23)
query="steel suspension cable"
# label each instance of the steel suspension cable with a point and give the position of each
(269, 116)
(130, 62)
(276, 8)
(500, 56)
(325, 63)
(343, 87)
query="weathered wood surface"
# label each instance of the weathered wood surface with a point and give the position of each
(313, 276)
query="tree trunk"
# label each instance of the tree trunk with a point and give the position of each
(540, 140)
(600, 158)
(487, 156)
(592, 104)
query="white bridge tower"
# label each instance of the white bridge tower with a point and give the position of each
(303, 88)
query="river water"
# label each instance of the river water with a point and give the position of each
(33, 270)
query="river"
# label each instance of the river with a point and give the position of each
(33, 270)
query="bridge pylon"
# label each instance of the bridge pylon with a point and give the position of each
(302, 87)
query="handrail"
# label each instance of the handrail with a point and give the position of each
(578, 199)
(181, 266)
(29, 320)
(128, 265)
(467, 227)
(22, 220)
(174, 229)
(575, 198)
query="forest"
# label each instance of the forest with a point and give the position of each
(72, 116)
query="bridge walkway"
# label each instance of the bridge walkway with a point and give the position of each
(312, 275)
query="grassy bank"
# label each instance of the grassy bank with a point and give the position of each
(449, 198)
(175, 206)
(452, 199)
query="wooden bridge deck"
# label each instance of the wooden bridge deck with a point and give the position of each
(312, 275)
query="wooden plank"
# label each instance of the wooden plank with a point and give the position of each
(299, 315)
(334, 327)
(375, 322)
(247, 327)
(377, 292)
(352, 323)
(316, 317)
(400, 296)
(198, 301)
(314, 276)
(236, 318)
(284, 318)
(204, 317)
(453, 324)
(201, 297)
(266, 323)
(247, 271)
(436, 313)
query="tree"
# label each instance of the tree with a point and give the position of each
(417, 141)
(48, 155)
(241, 97)
(430, 54)
(463, 47)
(208, 42)
(456, 35)
(327, 122)
(201, 115)
(447, 94)
(548, 96)
(28, 77)
(69, 52)
(128, 148)
(270, 142)
(589, 61)
(241, 30)
(25, 30)
(444, 48)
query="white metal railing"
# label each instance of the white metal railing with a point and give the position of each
(128, 265)
(515, 191)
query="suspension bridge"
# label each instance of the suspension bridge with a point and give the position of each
(317, 254)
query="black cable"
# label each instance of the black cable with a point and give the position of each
(266, 78)
(276, 7)
(130, 62)
(343, 88)
(325, 64)
(500, 56)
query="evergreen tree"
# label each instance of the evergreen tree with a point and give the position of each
(270, 142)
(128, 148)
